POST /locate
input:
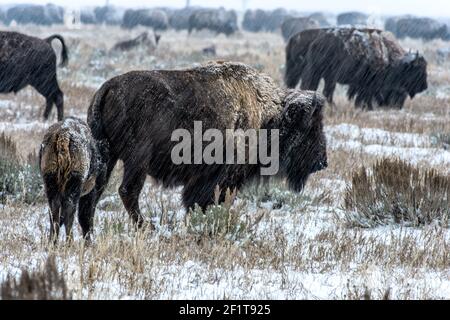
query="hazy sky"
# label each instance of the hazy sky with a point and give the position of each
(417, 7)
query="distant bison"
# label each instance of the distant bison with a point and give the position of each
(26, 60)
(141, 40)
(35, 14)
(320, 18)
(255, 20)
(370, 61)
(69, 161)
(108, 15)
(424, 28)
(353, 18)
(137, 113)
(275, 19)
(293, 26)
(152, 18)
(218, 20)
(179, 18)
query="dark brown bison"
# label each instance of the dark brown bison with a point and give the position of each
(153, 18)
(255, 20)
(36, 14)
(352, 18)
(109, 15)
(370, 61)
(137, 113)
(141, 40)
(217, 20)
(293, 26)
(70, 164)
(26, 60)
(413, 27)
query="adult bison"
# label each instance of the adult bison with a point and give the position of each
(137, 113)
(179, 18)
(413, 27)
(36, 14)
(353, 18)
(144, 39)
(109, 15)
(255, 20)
(370, 61)
(218, 20)
(26, 60)
(293, 26)
(152, 18)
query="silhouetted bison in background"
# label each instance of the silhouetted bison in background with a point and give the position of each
(108, 15)
(87, 16)
(275, 19)
(179, 18)
(413, 27)
(137, 112)
(26, 60)
(69, 161)
(141, 40)
(218, 20)
(320, 18)
(153, 18)
(293, 26)
(36, 14)
(255, 20)
(371, 61)
(353, 18)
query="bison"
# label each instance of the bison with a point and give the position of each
(295, 25)
(136, 113)
(255, 20)
(36, 14)
(108, 15)
(370, 61)
(218, 20)
(413, 27)
(352, 18)
(26, 60)
(70, 164)
(152, 18)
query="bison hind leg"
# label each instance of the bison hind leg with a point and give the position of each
(130, 189)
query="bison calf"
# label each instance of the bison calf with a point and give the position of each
(70, 164)
(26, 60)
(136, 114)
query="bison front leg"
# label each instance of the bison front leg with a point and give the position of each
(130, 189)
(328, 90)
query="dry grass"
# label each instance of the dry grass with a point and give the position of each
(393, 191)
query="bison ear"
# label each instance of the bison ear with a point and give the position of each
(301, 107)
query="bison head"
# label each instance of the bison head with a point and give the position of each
(413, 73)
(302, 140)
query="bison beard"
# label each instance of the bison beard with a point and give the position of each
(136, 113)
(31, 61)
(370, 61)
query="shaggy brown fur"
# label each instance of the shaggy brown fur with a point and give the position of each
(137, 112)
(369, 60)
(69, 163)
(26, 60)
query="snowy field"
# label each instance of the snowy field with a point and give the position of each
(294, 246)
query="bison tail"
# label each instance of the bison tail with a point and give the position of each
(95, 122)
(64, 53)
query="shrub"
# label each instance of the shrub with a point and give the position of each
(46, 284)
(396, 192)
(222, 220)
(18, 180)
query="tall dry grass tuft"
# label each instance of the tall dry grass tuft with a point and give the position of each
(393, 191)
(45, 284)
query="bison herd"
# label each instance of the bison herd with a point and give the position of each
(132, 116)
